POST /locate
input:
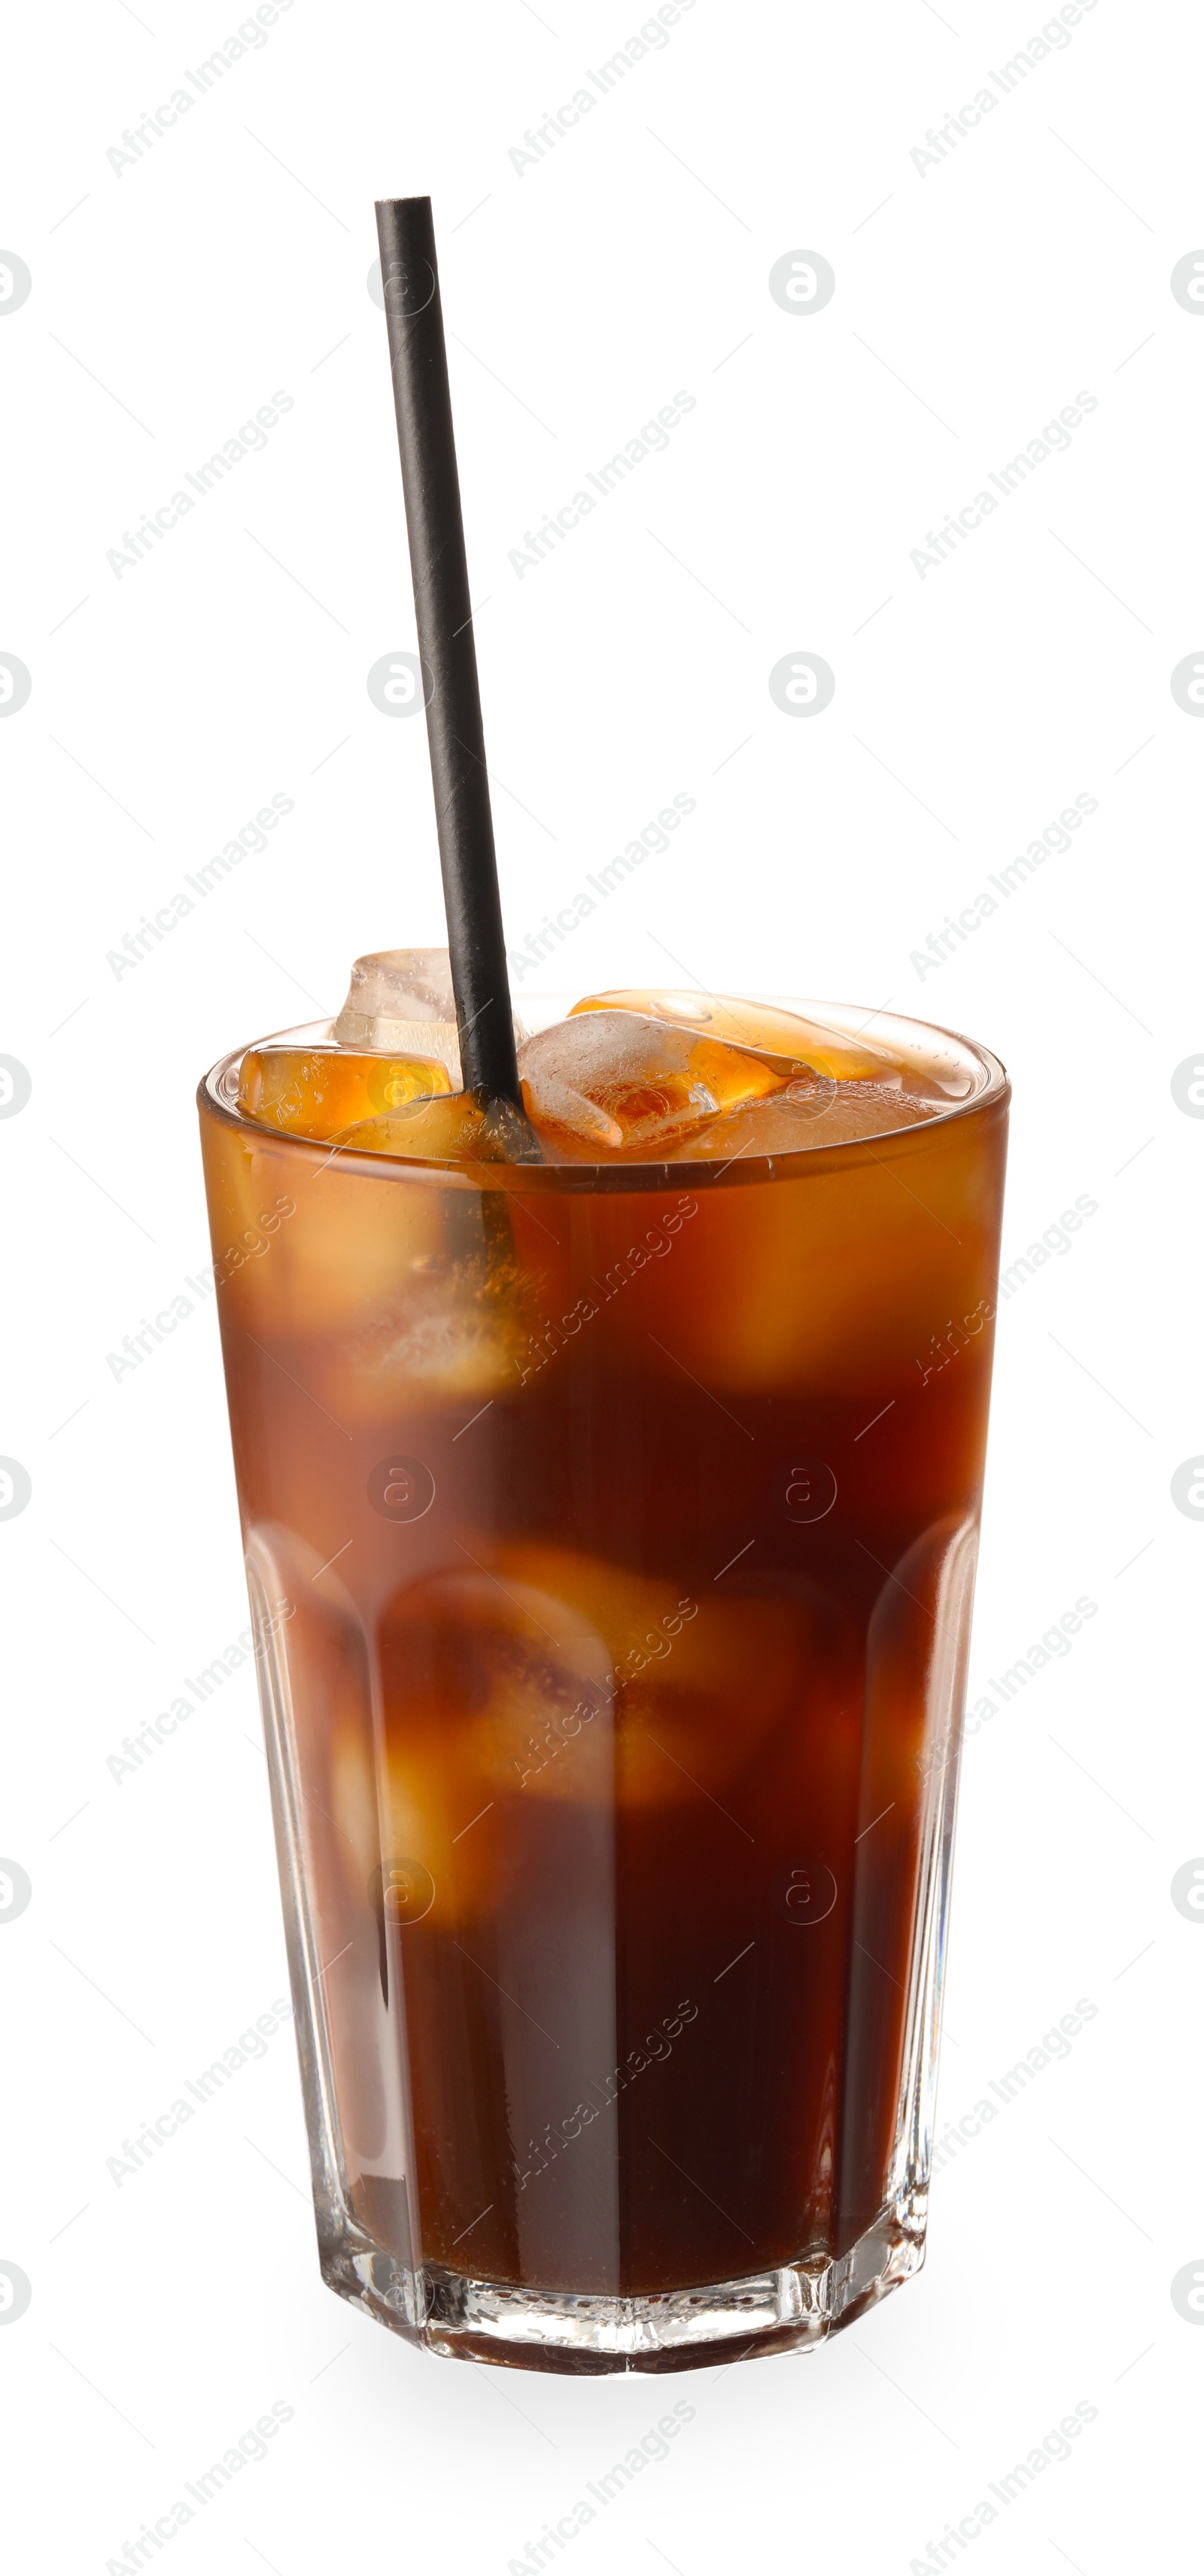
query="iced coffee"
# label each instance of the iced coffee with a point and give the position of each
(626, 1526)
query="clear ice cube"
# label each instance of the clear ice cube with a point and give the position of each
(629, 1083)
(400, 1000)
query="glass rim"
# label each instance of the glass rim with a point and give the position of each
(990, 1089)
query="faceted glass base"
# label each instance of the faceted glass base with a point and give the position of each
(787, 2310)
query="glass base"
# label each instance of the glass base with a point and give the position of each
(785, 2310)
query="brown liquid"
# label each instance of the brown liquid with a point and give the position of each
(621, 1602)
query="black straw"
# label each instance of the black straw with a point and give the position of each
(410, 278)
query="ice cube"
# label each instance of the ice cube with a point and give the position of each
(401, 999)
(395, 987)
(812, 1115)
(752, 1024)
(443, 1130)
(318, 1091)
(677, 1668)
(451, 1336)
(492, 1679)
(626, 1082)
(449, 1129)
(549, 1674)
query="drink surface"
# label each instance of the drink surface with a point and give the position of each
(639, 1075)
(611, 1522)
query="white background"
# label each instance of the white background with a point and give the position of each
(973, 301)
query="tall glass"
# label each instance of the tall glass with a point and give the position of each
(611, 1532)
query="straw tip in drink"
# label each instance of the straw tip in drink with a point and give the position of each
(507, 1135)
